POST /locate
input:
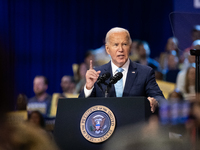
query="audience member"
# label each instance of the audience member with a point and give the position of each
(89, 56)
(65, 84)
(190, 58)
(25, 136)
(188, 89)
(134, 52)
(145, 136)
(36, 118)
(195, 35)
(175, 96)
(42, 100)
(188, 62)
(172, 67)
(158, 75)
(101, 56)
(72, 86)
(21, 102)
(144, 56)
(81, 78)
(172, 45)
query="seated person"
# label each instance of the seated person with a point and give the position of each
(101, 57)
(188, 88)
(21, 102)
(171, 45)
(144, 56)
(42, 100)
(172, 70)
(65, 84)
(82, 69)
(175, 96)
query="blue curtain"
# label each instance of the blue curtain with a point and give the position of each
(45, 37)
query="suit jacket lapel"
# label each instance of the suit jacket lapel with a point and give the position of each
(131, 75)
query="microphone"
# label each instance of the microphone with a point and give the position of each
(103, 78)
(116, 78)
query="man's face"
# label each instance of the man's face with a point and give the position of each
(118, 47)
(39, 87)
(65, 84)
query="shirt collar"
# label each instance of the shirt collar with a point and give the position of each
(125, 66)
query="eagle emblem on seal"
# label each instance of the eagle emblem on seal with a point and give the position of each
(98, 124)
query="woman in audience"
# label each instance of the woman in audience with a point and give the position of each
(188, 89)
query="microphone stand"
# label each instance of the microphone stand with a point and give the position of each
(107, 90)
(196, 53)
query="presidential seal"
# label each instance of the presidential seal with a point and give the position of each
(97, 124)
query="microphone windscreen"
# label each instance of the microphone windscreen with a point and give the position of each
(116, 78)
(103, 77)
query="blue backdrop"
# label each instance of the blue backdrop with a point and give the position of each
(45, 37)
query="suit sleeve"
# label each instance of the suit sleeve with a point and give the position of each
(93, 93)
(152, 88)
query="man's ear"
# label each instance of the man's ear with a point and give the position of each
(107, 49)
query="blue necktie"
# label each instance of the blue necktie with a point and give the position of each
(119, 85)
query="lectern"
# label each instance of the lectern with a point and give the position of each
(78, 125)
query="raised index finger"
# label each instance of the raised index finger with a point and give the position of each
(91, 66)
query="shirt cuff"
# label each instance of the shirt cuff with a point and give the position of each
(87, 92)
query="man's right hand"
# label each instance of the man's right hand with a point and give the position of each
(91, 76)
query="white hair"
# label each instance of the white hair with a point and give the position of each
(196, 42)
(115, 30)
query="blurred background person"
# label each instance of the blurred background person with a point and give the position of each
(171, 71)
(42, 100)
(36, 118)
(89, 56)
(143, 50)
(188, 62)
(134, 52)
(188, 89)
(101, 56)
(82, 69)
(195, 35)
(65, 84)
(175, 96)
(145, 136)
(21, 102)
(171, 45)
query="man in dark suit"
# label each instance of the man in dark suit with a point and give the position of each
(138, 80)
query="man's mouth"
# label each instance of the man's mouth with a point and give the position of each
(120, 56)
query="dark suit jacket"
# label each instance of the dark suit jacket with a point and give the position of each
(140, 81)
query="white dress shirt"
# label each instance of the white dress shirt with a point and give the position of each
(114, 71)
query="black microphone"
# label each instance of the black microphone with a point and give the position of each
(116, 78)
(103, 78)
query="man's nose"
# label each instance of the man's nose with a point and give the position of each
(120, 48)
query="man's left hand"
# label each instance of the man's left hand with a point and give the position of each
(153, 104)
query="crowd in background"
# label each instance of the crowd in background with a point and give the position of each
(172, 66)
